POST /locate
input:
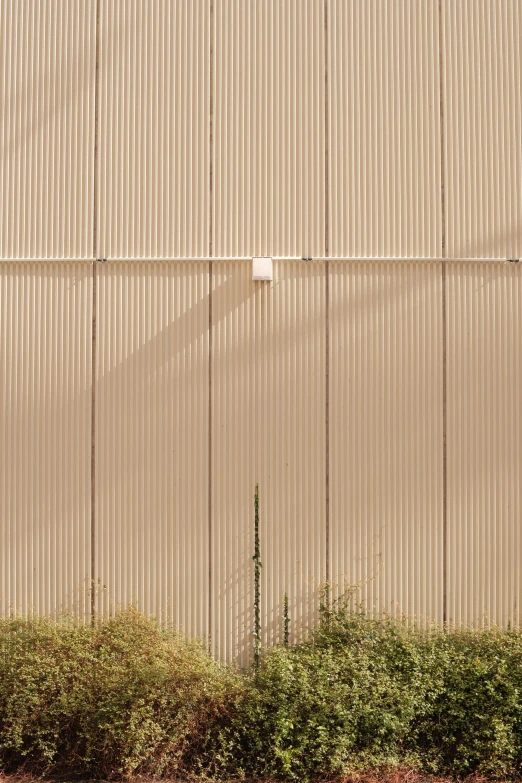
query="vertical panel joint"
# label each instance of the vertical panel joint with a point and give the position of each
(93, 445)
(444, 347)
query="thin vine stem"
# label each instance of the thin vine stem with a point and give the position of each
(286, 621)
(257, 583)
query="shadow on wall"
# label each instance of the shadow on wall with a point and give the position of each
(268, 395)
(53, 103)
(268, 405)
(489, 246)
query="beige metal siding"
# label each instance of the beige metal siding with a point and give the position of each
(269, 126)
(264, 364)
(268, 426)
(336, 386)
(152, 439)
(45, 436)
(386, 433)
(483, 127)
(484, 339)
(47, 67)
(153, 166)
(384, 128)
(269, 119)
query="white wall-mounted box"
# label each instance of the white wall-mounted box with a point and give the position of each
(262, 269)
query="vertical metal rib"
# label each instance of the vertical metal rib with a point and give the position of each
(327, 295)
(210, 212)
(93, 447)
(96, 110)
(444, 353)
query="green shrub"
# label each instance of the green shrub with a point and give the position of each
(472, 720)
(128, 697)
(121, 698)
(343, 700)
(361, 693)
(43, 666)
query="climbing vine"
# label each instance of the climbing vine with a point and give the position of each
(257, 583)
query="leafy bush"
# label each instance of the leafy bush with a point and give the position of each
(361, 693)
(324, 706)
(122, 697)
(129, 697)
(472, 720)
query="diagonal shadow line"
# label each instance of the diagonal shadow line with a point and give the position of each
(82, 63)
(193, 324)
(488, 246)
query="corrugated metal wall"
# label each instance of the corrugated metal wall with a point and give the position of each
(153, 163)
(386, 433)
(328, 124)
(384, 130)
(484, 372)
(189, 418)
(47, 80)
(482, 50)
(268, 416)
(375, 401)
(269, 120)
(45, 443)
(151, 458)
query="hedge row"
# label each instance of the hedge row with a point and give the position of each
(128, 697)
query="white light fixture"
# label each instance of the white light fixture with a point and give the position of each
(262, 269)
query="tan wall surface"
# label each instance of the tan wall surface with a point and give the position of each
(153, 164)
(230, 129)
(484, 371)
(482, 49)
(268, 417)
(45, 436)
(384, 129)
(330, 379)
(151, 461)
(386, 433)
(47, 69)
(269, 124)
(329, 121)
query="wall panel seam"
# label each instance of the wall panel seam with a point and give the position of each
(210, 597)
(326, 200)
(96, 112)
(211, 223)
(444, 452)
(327, 295)
(211, 121)
(93, 448)
(441, 113)
(444, 348)
(327, 418)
